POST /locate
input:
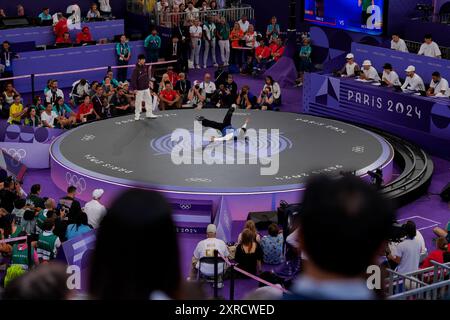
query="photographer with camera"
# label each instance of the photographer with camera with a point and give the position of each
(196, 96)
(245, 99)
(265, 99)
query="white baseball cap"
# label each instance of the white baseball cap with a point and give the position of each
(349, 56)
(97, 193)
(211, 228)
(410, 69)
(367, 63)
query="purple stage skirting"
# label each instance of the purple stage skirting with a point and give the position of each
(425, 66)
(44, 35)
(423, 120)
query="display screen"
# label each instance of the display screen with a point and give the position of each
(353, 15)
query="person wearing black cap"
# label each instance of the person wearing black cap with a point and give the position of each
(390, 77)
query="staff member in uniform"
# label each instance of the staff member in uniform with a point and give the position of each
(196, 33)
(438, 86)
(413, 81)
(351, 68)
(390, 77)
(123, 52)
(140, 83)
(369, 72)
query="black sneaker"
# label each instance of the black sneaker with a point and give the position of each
(199, 118)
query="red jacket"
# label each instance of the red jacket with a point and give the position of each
(264, 52)
(436, 255)
(84, 36)
(60, 28)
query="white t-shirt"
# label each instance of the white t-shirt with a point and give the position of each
(399, 46)
(350, 68)
(208, 87)
(392, 77)
(423, 247)
(205, 248)
(244, 25)
(95, 212)
(49, 119)
(371, 74)
(191, 14)
(442, 85)
(430, 50)
(196, 32)
(414, 84)
(409, 252)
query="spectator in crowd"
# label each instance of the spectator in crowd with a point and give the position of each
(438, 86)
(174, 52)
(80, 89)
(37, 105)
(66, 117)
(196, 34)
(79, 222)
(172, 76)
(17, 111)
(243, 24)
(93, 89)
(123, 53)
(273, 30)
(341, 209)
(236, 35)
(85, 111)
(45, 15)
(34, 199)
(169, 98)
(429, 48)
(20, 10)
(196, 96)
(209, 89)
(9, 93)
(265, 100)
(54, 92)
(108, 89)
(277, 48)
(110, 75)
(100, 103)
(49, 116)
(192, 13)
(20, 206)
(223, 35)
(6, 59)
(2, 13)
(390, 77)
(413, 81)
(229, 93)
(64, 40)
(152, 46)
(159, 280)
(398, 43)
(250, 225)
(93, 12)
(304, 62)
(245, 99)
(60, 28)
(262, 56)
(272, 245)
(120, 103)
(206, 248)
(28, 223)
(406, 254)
(48, 243)
(369, 72)
(209, 34)
(251, 38)
(32, 118)
(162, 84)
(105, 8)
(19, 256)
(274, 88)
(213, 7)
(66, 202)
(248, 253)
(95, 211)
(84, 37)
(436, 255)
(140, 82)
(351, 68)
(183, 86)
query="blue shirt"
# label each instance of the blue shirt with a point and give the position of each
(63, 110)
(152, 42)
(73, 231)
(44, 16)
(272, 248)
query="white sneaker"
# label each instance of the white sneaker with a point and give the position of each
(215, 65)
(152, 116)
(137, 119)
(197, 67)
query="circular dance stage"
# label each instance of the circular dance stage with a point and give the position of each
(282, 152)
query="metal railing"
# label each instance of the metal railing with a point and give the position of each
(429, 283)
(414, 47)
(174, 19)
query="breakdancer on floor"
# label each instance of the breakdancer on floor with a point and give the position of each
(226, 129)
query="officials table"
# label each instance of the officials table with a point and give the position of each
(423, 120)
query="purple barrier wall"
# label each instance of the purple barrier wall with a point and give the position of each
(423, 120)
(67, 59)
(400, 61)
(28, 145)
(45, 36)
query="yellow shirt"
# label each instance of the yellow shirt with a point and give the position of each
(15, 108)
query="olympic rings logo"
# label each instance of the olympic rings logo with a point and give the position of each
(17, 154)
(185, 206)
(74, 180)
(198, 180)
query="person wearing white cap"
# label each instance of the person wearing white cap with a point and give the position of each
(206, 248)
(369, 72)
(94, 210)
(351, 68)
(413, 81)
